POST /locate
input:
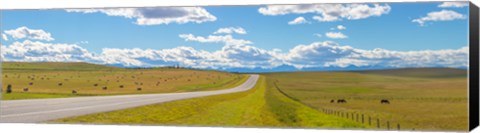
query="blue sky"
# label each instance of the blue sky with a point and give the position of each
(383, 35)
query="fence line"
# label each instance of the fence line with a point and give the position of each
(362, 118)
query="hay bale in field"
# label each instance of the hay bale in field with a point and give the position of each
(9, 88)
(25, 89)
(121, 86)
(104, 88)
(95, 85)
(139, 89)
(31, 83)
(60, 84)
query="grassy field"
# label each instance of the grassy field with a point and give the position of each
(421, 99)
(432, 99)
(262, 106)
(55, 80)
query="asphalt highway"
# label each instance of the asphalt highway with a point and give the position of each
(41, 110)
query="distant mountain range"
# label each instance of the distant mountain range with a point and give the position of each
(283, 68)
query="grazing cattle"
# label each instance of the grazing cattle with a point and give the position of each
(60, 84)
(332, 101)
(384, 101)
(341, 101)
(25, 89)
(139, 89)
(95, 84)
(121, 86)
(104, 88)
(31, 83)
(9, 88)
(74, 92)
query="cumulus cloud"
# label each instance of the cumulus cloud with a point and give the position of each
(157, 15)
(329, 12)
(227, 39)
(4, 37)
(317, 54)
(444, 15)
(331, 54)
(453, 4)
(336, 35)
(230, 30)
(40, 51)
(27, 33)
(341, 27)
(298, 20)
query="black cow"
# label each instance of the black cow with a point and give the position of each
(384, 101)
(332, 101)
(341, 101)
(104, 88)
(60, 84)
(25, 89)
(139, 89)
(74, 92)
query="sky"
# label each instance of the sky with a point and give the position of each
(263, 37)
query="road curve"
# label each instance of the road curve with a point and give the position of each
(40, 110)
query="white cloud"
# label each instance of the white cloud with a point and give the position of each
(317, 35)
(40, 51)
(456, 4)
(298, 20)
(157, 15)
(336, 35)
(230, 30)
(236, 53)
(26, 33)
(331, 54)
(4, 37)
(317, 54)
(341, 27)
(444, 15)
(329, 12)
(227, 39)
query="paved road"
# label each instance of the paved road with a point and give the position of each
(40, 110)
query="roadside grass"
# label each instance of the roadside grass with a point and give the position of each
(89, 80)
(422, 103)
(19, 96)
(262, 106)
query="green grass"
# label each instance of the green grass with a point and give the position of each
(262, 106)
(18, 96)
(82, 77)
(421, 72)
(437, 103)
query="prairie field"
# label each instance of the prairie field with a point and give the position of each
(427, 99)
(55, 80)
(431, 99)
